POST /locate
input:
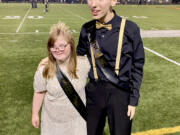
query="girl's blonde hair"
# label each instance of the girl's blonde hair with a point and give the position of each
(60, 29)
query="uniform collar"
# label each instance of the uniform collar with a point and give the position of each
(113, 19)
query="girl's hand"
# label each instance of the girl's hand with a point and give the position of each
(35, 120)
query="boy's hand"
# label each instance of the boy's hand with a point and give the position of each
(35, 120)
(42, 62)
(131, 111)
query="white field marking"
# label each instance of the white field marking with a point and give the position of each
(31, 33)
(160, 55)
(35, 17)
(12, 41)
(140, 17)
(160, 33)
(85, 19)
(24, 33)
(17, 30)
(11, 17)
(125, 17)
(37, 31)
(144, 16)
(74, 31)
(152, 28)
(38, 40)
(167, 28)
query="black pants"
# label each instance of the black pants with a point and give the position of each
(104, 99)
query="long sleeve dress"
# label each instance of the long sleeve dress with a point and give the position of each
(58, 116)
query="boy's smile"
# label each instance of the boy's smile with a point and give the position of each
(102, 9)
(95, 12)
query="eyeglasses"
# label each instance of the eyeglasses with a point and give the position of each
(60, 47)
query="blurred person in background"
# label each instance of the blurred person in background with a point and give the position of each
(34, 3)
(46, 5)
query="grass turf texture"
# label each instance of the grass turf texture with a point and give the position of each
(20, 54)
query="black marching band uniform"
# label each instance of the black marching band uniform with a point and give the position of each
(110, 94)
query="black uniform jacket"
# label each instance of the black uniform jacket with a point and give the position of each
(132, 55)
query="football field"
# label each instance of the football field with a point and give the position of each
(23, 37)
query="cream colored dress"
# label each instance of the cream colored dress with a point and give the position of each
(58, 116)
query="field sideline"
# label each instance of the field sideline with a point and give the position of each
(23, 36)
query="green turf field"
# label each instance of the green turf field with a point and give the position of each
(21, 49)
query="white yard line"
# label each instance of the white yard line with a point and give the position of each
(85, 19)
(24, 33)
(160, 33)
(20, 25)
(160, 55)
(31, 33)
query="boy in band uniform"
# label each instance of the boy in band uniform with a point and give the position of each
(115, 99)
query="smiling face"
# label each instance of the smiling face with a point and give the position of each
(61, 50)
(101, 9)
